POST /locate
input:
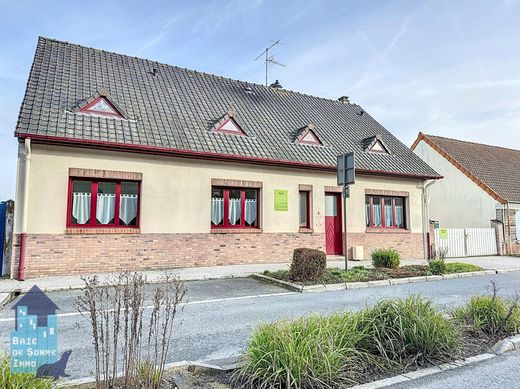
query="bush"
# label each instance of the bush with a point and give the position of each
(313, 352)
(339, 350)
(308, 264)
(490, 315)
(8, 379)
(461, 267)
(437, 266)
(388, 258)
(408, 331)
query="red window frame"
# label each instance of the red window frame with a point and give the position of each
(221, 130)
(383, 221)
(242, 224)
(87, 108)
(316, 141)
(93, 203)
(307, 210)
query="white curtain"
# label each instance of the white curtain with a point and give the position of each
(367, 216)
(376, 214)
(234, 211)
(399, 214)
(128, 208)
(388, 212)
(106, 203)
(250, 211)
(217, 210)
(81, 207)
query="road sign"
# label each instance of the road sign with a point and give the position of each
(346, 169)
(346, 176)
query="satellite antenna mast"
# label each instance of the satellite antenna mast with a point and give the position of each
(269, 59)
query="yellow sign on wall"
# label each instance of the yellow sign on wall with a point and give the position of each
(443, 233)
(280, 200)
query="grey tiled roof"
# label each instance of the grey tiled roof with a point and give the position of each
(177, 109)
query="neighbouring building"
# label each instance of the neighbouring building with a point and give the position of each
(481, 185)
(127, 163)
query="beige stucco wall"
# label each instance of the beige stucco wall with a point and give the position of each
(455, 201)
(175, 192)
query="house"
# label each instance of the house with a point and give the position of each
(481, 184)
(127, 163)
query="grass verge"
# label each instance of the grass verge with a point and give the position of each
(363, 274)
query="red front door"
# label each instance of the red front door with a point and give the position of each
(333, 228)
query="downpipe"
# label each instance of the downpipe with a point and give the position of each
(23, 235)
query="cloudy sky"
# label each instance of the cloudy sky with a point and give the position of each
(443, 67)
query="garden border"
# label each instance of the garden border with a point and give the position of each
(366, 284)
(501, 347)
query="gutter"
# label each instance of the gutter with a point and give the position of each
(426, 215)
(23, 235)
(143, 149)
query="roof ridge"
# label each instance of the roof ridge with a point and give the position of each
(474, 143)
(42, 38)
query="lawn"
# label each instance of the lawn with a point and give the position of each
(362, 274)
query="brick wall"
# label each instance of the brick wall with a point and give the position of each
(409, 245)
(55, 254)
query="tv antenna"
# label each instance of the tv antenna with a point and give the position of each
(269, 59)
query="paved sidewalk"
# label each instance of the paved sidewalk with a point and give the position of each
(213, 272)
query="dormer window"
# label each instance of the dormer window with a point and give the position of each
(101, 106)
(375, 144)
(378, 148)
(307, 136)
(228, 125)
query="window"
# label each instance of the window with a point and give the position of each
(101, 106)
(385, 211)
(230, 127)
(378, 147)
(305, 214)
(234, 208)
(103, 203)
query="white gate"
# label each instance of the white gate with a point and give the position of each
(466, 242)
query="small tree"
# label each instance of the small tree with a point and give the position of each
(116, 312)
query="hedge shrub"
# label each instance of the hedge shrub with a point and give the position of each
(308, 264)
(437, 266)
(389, 258)
(491, 315)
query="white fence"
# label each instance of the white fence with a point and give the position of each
(466, 242)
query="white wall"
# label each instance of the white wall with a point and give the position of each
(455, 201)
(176, 192)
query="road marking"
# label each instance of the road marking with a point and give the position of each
(209, 301)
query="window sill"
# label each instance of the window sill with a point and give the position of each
(305, 230)
(236, 230)
(385, 230)
(102, 230)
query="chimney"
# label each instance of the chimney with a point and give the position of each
(344, 100)
(276, 85)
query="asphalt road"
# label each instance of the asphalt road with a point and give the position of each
(500, 372)
(220, 314)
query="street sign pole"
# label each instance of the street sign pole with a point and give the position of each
(346, 176)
